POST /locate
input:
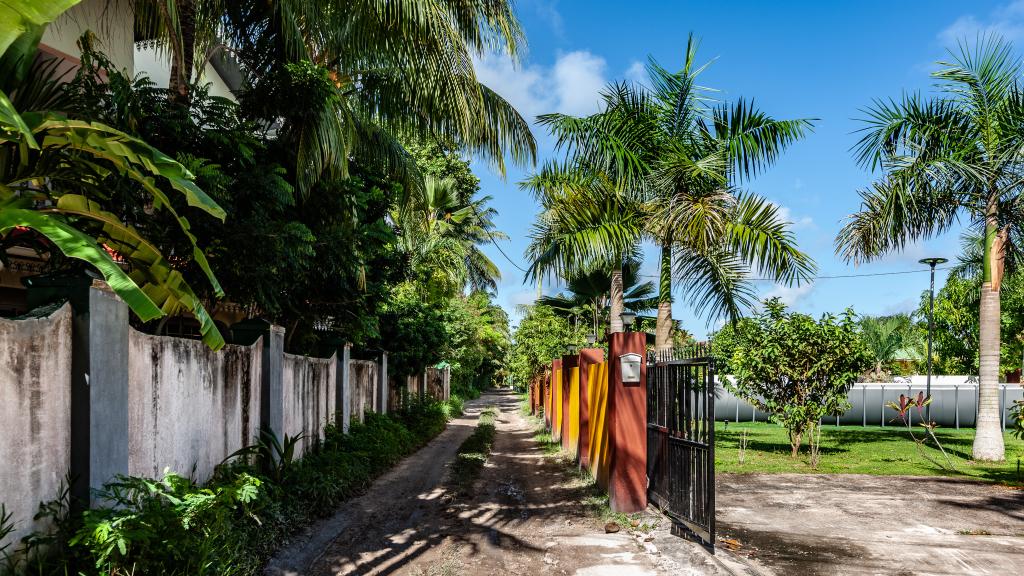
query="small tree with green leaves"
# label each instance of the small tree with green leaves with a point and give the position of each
(797, 368)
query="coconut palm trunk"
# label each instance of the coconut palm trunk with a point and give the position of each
(988, 440)
(617, 302)
(183, 60)
(663, 329)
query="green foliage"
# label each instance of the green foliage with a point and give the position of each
(541, 336)
(955, 337)
(230, 526)
(165, 526)
(796, 368)
(890, 339)
(727, 340)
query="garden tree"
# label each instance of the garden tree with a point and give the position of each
(886, 338)
(796, 368)
(588, 296)
(955, 336)
(957, 153)
(477, 341)
(58, 172)
(540, 337)
(683, 153)
(726, 340)
(317, 265)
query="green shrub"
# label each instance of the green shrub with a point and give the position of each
(253, 502)
(473, 453)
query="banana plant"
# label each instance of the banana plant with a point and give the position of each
(47, 158)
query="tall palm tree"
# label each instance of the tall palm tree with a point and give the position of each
(886, 337)
(957, 153)
(683, 149)
(586, 224)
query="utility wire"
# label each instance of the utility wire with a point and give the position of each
(823, 277)
(493, 241)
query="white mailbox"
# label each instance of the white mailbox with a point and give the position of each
(629, 367)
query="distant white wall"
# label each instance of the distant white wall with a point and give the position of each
(35, 415)
(188, 405)
(309, 395)
(157, 65)
(112, 21)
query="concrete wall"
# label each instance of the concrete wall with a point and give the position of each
(111, 21)
(954, 404)
(157, 65)
(364, 383)
(189, 406)
(309, 397)
(35, 415)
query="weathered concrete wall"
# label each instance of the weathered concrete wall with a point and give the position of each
(189, 406)
(364, 382)
(309, 397)
(35, 415)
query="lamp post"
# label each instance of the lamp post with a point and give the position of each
(931, 262)
(627, 319)
(591, 339)
(571, 350)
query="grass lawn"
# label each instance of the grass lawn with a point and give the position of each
(856, 450)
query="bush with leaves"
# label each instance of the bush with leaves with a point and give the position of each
(541, 336)
(796, 368)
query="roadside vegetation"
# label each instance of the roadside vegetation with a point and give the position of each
(234, 523)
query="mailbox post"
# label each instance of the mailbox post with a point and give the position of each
(627, 422)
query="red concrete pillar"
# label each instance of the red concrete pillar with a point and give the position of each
(627, 425)
(568, 363)
(588, 357)
(556, 370)
(546, 398)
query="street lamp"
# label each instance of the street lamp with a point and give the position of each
(571, 349)
(627, 319)
(591, 339)
(931, 262)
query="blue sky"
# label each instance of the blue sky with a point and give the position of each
(824, 60)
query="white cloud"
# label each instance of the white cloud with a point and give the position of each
(789, 295)
(796, 222)
(637, 72)
(570, 86)
(1006, 21)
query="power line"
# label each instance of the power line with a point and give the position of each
(829, 277)
(493, 241)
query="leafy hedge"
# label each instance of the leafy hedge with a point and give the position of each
(232, 525)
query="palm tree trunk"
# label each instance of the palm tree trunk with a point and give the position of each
(182, 64)
(617, 302)
(663, 329)
(988, 437)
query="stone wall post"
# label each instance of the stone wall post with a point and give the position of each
(343, 397)
(627, 426)
(272, 372)
(99, 379)
(382, 384)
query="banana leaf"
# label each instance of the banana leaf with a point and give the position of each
(19, 17)
(161, 283)
(76, 244)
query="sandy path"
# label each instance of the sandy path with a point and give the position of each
(527, 517)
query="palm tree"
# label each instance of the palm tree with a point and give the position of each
(442, 236)
(958, 153)
(586, 224)
(886, 337)
(589, 293)
(683, 150)
(384, 71)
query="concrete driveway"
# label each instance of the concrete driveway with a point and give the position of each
(856, 524)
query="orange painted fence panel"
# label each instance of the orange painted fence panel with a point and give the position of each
(598, 453)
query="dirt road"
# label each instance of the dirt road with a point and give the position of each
(527, 517)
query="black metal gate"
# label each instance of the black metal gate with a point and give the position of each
(681, 439)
